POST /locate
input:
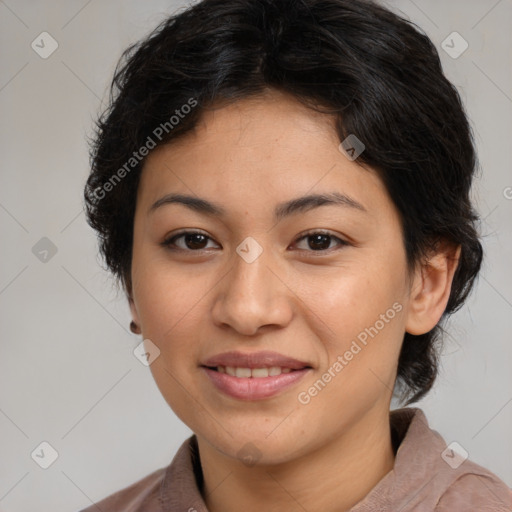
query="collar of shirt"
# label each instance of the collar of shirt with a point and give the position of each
(424, 470)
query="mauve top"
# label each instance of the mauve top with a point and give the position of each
(427, 476)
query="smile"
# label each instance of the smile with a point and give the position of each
(255, 373)
(254, 387)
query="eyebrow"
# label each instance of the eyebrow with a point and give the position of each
(282, 210)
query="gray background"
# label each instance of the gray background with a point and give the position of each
(67, 372)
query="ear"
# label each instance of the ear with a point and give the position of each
(431, 288)
(134, 312)
(131, 303)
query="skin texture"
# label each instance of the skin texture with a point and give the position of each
(304, 303)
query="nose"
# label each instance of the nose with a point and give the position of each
(252, 296)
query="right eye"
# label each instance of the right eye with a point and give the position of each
(191, 241)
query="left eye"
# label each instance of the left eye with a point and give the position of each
(319, 241)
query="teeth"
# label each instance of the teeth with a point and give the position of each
(242, 372)
(273, 371)
(259, 372)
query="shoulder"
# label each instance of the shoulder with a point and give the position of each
(144, 492)
(476, 489)
(437, 475)
(160, 490)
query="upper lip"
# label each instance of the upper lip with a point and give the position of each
(263, 359)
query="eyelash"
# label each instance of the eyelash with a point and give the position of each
(168, 242)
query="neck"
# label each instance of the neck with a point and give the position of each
(332, 478)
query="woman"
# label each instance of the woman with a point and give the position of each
(282, 188)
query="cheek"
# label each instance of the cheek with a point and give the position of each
(166, 293)
(170, 307)
(361, 305)
(350, 298)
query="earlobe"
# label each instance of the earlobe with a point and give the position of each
(431, 289)
(135, 323)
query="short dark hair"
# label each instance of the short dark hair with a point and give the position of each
(376, 72)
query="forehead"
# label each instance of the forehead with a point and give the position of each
(255, 152)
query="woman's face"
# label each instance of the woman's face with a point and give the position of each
(323, 283)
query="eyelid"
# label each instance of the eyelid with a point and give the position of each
(168, 241)
(341, 241)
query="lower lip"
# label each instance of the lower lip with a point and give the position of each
(253, 388)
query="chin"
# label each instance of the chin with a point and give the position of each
(256, 446)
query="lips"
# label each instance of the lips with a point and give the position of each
(253, 376)
(263, 359)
